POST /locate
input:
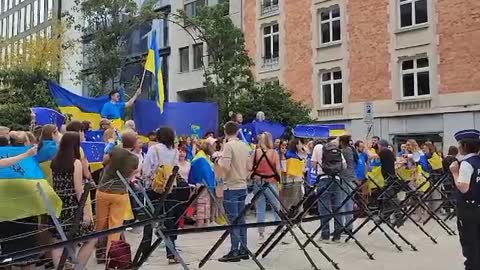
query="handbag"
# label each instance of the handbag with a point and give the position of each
(119, 255)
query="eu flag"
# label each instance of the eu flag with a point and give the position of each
(153, 66)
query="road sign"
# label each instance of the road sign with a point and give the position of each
(368, 112)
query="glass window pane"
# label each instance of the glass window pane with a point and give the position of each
(276, 45)
(337, 75)
(15, 23)
(35, 13)
(423, 81)
(324, 15)
(421, 13)
(42, 11)
(407, 65)
(408, 85)
(327, 94)
(50, 9)
(275, 28)
(10, 23)
(326, 76)
(184, 61)
(189, 10)
(197, 56)
(325, 32)
(267, 30)
(268, 47)
(336, 30)
(422, 62)
(28, 18)
(337, 93)
(22, 20)
(406, 15)
(335, 13)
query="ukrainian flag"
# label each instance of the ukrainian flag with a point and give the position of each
(295, 164)
(336, 130)
(201, 171)
(153, 65)
(19, 195)
(81, 108)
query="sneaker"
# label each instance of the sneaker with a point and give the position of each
(232, 256)
(336, 238)
(324, 240)
(243, 255)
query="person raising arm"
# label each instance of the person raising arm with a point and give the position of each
(5, 162)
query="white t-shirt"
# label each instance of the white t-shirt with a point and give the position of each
(465, 171)
(317, 157)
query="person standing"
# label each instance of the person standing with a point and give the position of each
(348, 177)
(233, 163)
(466, 175)
(361, 172)
(114, 108)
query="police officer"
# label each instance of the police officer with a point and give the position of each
(466, 174)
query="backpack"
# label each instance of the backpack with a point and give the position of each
(162, 174)
(332, 162)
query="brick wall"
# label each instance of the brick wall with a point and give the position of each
(369, 41)
(297, 65)
(250, 29)
(459, 46)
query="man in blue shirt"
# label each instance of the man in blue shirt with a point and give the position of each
(361, 168)
(114, 109)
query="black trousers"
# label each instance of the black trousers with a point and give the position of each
(469, 230)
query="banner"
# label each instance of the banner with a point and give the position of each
(45, 116)
(178, 116)
(20, 197)
(251, 130)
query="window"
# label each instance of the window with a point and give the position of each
(269, 6)
(191, 7)
(35, 13)
(184, 59)
(331, 88)
(10, 23)
(15, 23)
(22, 20)
(330, 25)
(271, 44)
(413, 12)
(4, 28)
(50, 9)
(42, 11)
(197, 56)
(415, 77)
(28, 18)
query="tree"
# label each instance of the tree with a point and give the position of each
(106, 25)
(229, 78)
(24, 74)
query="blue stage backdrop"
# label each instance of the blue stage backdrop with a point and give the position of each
(178, 116)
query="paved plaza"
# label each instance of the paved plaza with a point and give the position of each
(446, 255)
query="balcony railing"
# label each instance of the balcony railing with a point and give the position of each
(269, 7)
(271, 62)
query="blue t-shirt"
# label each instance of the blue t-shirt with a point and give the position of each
(361, 165)
(113, 110)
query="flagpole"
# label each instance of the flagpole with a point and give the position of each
(143, 77)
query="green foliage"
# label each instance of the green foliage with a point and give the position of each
(106, 25)
(22, 89)
(275, 101)
(230, 73)
(229, 79)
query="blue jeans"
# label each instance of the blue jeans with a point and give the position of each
(348, 207)
(329, 202)
(234, 203)
(261, 203)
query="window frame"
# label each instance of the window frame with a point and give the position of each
(415, 70)
(194, 48)
(332, 83)
(272, 60)
(413, 15)
(330, 21)
(187, 48)
(271, 8)
(195, 6)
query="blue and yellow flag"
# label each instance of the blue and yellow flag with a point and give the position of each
(19, 195)
(153, 65)
(81, 108)
(201, 171)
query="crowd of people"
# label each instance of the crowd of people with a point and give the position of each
(226, 166)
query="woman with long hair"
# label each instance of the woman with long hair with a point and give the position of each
(68, 183)
(265, 167)
(47, 149)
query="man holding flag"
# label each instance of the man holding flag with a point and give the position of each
(114, 108)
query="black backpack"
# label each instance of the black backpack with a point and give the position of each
(332, 162)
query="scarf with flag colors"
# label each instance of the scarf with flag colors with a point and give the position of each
(18, 188)
(153, 65)
(201, 171)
